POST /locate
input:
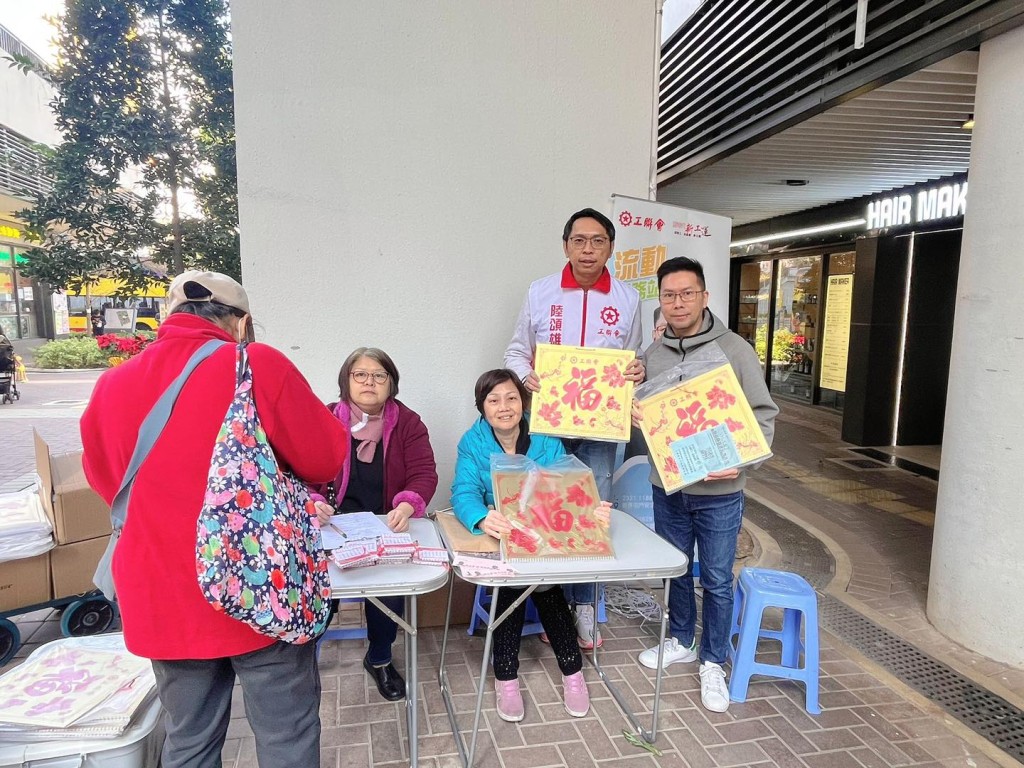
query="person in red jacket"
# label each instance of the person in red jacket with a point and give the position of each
(390, 471)
(196, 651)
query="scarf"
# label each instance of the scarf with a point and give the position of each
(368, 430)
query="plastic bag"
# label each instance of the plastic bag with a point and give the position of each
(551, 509)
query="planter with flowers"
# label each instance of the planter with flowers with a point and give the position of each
(118, 348)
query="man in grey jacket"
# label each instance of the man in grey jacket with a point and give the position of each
(711, 510)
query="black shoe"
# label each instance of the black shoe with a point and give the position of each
(389, 682)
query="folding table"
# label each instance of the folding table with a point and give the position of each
(407, 580)
(640, 553)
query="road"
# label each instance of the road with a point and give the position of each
(51, 403)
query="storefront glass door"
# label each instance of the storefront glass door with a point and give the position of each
(754, 303)
(797, 292)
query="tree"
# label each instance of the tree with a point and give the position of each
(142, 87)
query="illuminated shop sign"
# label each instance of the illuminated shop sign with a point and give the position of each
(927, 205)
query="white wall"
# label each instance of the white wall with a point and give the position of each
(974, 593)
(405, 169)
(25, 105)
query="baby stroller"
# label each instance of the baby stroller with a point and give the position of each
(8, 367)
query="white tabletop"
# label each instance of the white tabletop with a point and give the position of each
(393, 580)
(640, 553)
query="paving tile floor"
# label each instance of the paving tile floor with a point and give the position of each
(876, 523)
(864, 722)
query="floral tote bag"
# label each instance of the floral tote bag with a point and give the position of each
(258, 555)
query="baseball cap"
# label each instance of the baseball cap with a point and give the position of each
(218, 287)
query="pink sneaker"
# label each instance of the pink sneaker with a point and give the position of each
(575, 695)
(510, 701)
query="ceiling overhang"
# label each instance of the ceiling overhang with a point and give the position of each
(907, 132)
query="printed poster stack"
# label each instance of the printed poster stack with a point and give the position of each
(361, 539)
(74, 688)
(701, 425)
(551, 509)
(583, 393)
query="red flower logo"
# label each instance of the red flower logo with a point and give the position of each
(613, 376)
(551, 414)
(733, 425)
(523, 541)
(576, 495)
(670, 466)
(719, 398)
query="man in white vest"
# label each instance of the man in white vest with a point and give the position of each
(582, 305)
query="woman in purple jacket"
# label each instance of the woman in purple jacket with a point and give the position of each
(389, 471)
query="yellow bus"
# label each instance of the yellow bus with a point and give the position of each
(103, 293)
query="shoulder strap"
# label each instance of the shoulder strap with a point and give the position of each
(151, 428)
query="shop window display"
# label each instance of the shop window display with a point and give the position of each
(798, 289)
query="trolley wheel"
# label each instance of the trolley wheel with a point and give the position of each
(10, 640)
(90, 616)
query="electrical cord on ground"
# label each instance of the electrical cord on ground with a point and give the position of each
(630, 603)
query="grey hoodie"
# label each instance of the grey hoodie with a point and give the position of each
(715, 338)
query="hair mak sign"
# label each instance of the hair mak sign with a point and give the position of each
(941, 202)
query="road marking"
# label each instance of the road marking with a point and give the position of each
(9, 413)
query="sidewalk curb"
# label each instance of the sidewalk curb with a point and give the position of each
(63, 370)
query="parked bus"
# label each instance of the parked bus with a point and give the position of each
(103, 294)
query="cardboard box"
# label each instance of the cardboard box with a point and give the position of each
(76, 510)
(430, 607)
(24, 582)
(72, 566)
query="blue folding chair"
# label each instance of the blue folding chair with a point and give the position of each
(632, 493)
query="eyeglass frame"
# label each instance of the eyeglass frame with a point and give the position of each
(369, 376)
(605, 241)
(681, 295)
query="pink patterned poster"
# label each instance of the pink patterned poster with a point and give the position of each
(57, 688)
(583, 393)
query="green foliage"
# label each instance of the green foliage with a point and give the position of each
(143, 86)
(76, 352)
(782, 343)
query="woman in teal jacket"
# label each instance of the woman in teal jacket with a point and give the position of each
(503, 428)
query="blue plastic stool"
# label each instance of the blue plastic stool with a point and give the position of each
(482, 614)
(342, 633)
(531, 625)
(756, 590)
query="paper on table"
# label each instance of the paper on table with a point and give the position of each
(461, 540)
(360, 525)
(331, 537)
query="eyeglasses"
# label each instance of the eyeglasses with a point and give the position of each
(362, 377)
(598, 241)
(669, 297)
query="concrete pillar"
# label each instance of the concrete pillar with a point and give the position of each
(977, 570)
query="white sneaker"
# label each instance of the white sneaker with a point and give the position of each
(587, 630)
(714, 693)
(673, 652)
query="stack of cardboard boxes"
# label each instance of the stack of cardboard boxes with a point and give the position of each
(81, 527)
